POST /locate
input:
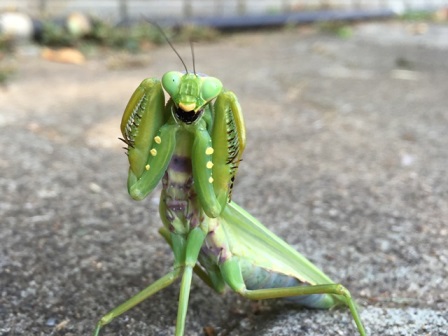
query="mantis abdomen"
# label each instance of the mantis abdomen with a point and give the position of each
(256, 277)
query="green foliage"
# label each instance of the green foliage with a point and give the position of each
(338, 28)
(6, 44)
(130, 38)
(56, 35)
(7, 69)
(418, 16)
(125, 38)
(196, 33)
(6, 72)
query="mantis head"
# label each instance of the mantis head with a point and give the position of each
(190, 93)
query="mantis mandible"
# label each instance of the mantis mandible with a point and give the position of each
(194, 144)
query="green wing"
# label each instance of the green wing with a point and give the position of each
(250, 240)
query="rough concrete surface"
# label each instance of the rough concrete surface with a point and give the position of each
(346, 159)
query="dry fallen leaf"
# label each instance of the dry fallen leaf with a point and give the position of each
(64, 55)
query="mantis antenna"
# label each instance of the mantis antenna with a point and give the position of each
(169, 42)
(192, 55)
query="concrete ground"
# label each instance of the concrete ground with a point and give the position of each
(346, 159)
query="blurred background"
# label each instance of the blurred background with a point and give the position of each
(346, 111)
(124, 9)
(121, 24)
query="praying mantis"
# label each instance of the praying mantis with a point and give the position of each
(194, 144)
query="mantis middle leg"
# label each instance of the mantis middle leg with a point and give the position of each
(160, 284)
(193, 246)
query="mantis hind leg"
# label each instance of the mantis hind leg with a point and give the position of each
(334, 289)
(231, 272)
(160, 284)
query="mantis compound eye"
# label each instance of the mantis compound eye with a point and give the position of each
(171, 82)
(211, 87)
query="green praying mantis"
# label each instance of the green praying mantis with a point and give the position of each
(194, 144)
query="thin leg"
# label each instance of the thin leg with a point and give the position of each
(183, 300)
(231, 272)
(194, 242)
(335, 289)
(160, 284)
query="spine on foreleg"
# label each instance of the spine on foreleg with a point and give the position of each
(142, 118)
(256, 277)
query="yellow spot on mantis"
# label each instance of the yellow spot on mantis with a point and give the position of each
(209, 151)
(147, 167)
(209, 165)
(157, 139)
(210, 179)
(153, 152)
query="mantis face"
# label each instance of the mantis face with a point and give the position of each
(190, 93)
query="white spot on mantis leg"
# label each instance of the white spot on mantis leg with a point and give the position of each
(147, 167)
(209, 151)
(209, 165)
(210, 179)
(153, 152)
(158, 140)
